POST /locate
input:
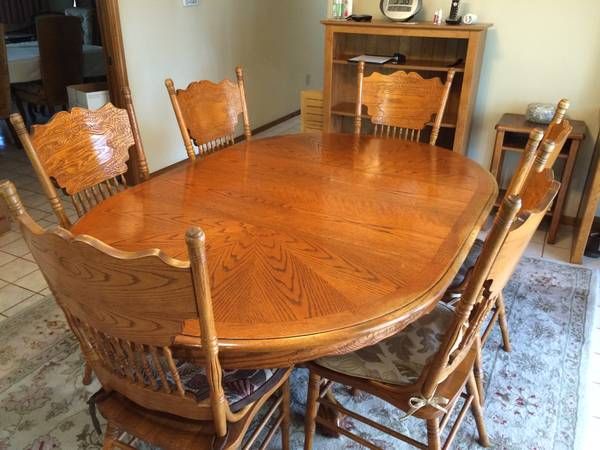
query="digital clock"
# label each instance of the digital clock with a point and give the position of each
(400, 10)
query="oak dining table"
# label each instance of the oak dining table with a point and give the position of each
(317, 244)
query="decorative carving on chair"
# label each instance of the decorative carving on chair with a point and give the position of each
(402, 99)
(208, 113)
(401, 105)
(211, 110)
(82, 148)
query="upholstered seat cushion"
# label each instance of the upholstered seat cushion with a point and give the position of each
(469, 263)
(400, 359)
(241, 387)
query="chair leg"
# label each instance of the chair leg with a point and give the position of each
(312, 407)
(477, 411)
(433, 435)
(285, 412)
(111, 437)
(503, 323)
(22, 111)
(88, 375)
(478, 371)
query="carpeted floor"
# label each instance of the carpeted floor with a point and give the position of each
(531, 401)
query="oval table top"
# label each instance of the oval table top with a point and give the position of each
(317, 243)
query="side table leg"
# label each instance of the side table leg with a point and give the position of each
(497, 153)
(562, 194)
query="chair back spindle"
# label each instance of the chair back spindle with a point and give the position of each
(208, 113)
(402, 105)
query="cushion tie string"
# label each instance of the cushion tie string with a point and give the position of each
(418, 402)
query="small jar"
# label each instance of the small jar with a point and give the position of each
(542, 113)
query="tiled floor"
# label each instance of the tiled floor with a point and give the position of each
(21, 283)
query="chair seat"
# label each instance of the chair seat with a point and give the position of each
(242, 387)
(164, 430)
(400, 359)
(30, 92)
(467, 265)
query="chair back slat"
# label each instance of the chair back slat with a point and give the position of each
(208, 113)
(84, 153)
(127, 310)
(82, 148)
(402, 102)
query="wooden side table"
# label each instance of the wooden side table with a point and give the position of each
(587, 209)
(512, 133)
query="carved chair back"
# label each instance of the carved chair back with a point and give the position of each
(208, 113)
(402, 105)
(127, 310)
(84, 153)
(559, 130)
(60, 41)
(514, 226)
(5, 97)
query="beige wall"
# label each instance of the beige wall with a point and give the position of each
(538, 50)
(267, 37)
(280, 42)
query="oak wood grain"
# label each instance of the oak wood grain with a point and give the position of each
(126, 309)
(402, 104)
(208, 113)
(316, 243)
(85, 153)
(452, 367)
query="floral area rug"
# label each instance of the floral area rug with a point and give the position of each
(531, 393)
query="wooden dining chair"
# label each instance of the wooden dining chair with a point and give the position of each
(208, 113)
(60, 40)
(84, 153)
(552, 142)
(425, 369)
(128, 311)
(402, 105)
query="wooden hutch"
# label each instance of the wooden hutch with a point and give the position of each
(430, 50)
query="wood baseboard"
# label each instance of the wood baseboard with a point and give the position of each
(270, 125)
(255, 131)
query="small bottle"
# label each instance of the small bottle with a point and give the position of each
(338, 9)
(438, 17)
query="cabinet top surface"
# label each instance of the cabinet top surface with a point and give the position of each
(406, 25)
(517, 123)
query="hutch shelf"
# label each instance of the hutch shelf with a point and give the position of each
(431, 50)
